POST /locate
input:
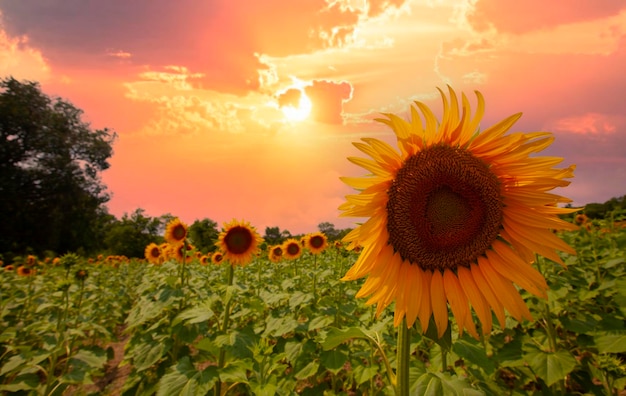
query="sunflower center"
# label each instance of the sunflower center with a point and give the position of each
(179, 232)
(238, 240)
(278, 251)
(155, 252)
(293, 248)
(316, 241)
(444, 208)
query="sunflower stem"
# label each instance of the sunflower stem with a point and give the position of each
(402, 359)
(222, 356)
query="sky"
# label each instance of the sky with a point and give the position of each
(232, 109)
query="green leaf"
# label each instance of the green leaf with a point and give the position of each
(335, 336)
(235, 372)
(320, 322)
(612, 263)
(193, 315)
(363, 374)
(94, 359)
(437, 384)
(13, 363)
(148, 355)
(611, 343)
(550, 366)
(23, 382)
(445, 341)
(185, 380)
(277, 327)
(473, 352)
(299, 298)
(266, 389)
(334, 360)
(308, 370)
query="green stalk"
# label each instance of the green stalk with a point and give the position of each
(222, 357)
(402, 360)
(314, 277)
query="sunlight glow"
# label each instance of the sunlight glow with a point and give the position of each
(299, 113)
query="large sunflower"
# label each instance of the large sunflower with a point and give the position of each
(455, 218)
(239, 242)
(176, 231)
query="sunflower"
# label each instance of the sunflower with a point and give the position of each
(455, 218)
(292, 249)
(316, 242)
(204, 260)
(25, 271)
(9, 267)
(81, 274)
(275, 253)
(176, 232)
(581, 218)
(239, 241)
(153, 253)
(217, 257)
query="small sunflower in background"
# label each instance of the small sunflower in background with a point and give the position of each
(25, 271)
(176, 231)
(275, 253)
(456, 217)
(217, 257)
(153, 253)
(581, 219)
(9, 267)
(239, 242)
(292, 249)
(204, 260)
(81, 275)
(316, 242)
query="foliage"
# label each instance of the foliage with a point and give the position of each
(284, 336)
(130, 235)
(274, 236)
(50, 161)
(203, 235)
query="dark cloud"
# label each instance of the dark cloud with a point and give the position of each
(514, 16)
(327, 98)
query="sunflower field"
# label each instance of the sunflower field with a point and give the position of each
(290, 325)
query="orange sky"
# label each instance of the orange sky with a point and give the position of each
(199, 92)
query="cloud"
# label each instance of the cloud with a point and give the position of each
(290, 97)
(327, 98)
(588, 124)
(518, 17)
(20, 60)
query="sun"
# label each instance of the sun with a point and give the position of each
(300, 112)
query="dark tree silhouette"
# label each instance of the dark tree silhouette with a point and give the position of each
(51, 195)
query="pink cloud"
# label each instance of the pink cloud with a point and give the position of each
(590, 123)
(327, 98)
(513, 16)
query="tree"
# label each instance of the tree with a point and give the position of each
(203, 235)
(274, 236)
(51, 195)
(329, 230)
(130, 235)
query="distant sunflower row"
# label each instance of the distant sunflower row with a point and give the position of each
(238, 243)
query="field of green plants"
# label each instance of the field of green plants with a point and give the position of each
(128, 327)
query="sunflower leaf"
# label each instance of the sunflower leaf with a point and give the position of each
(445, 341)
(611, 342)
(550, 366)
